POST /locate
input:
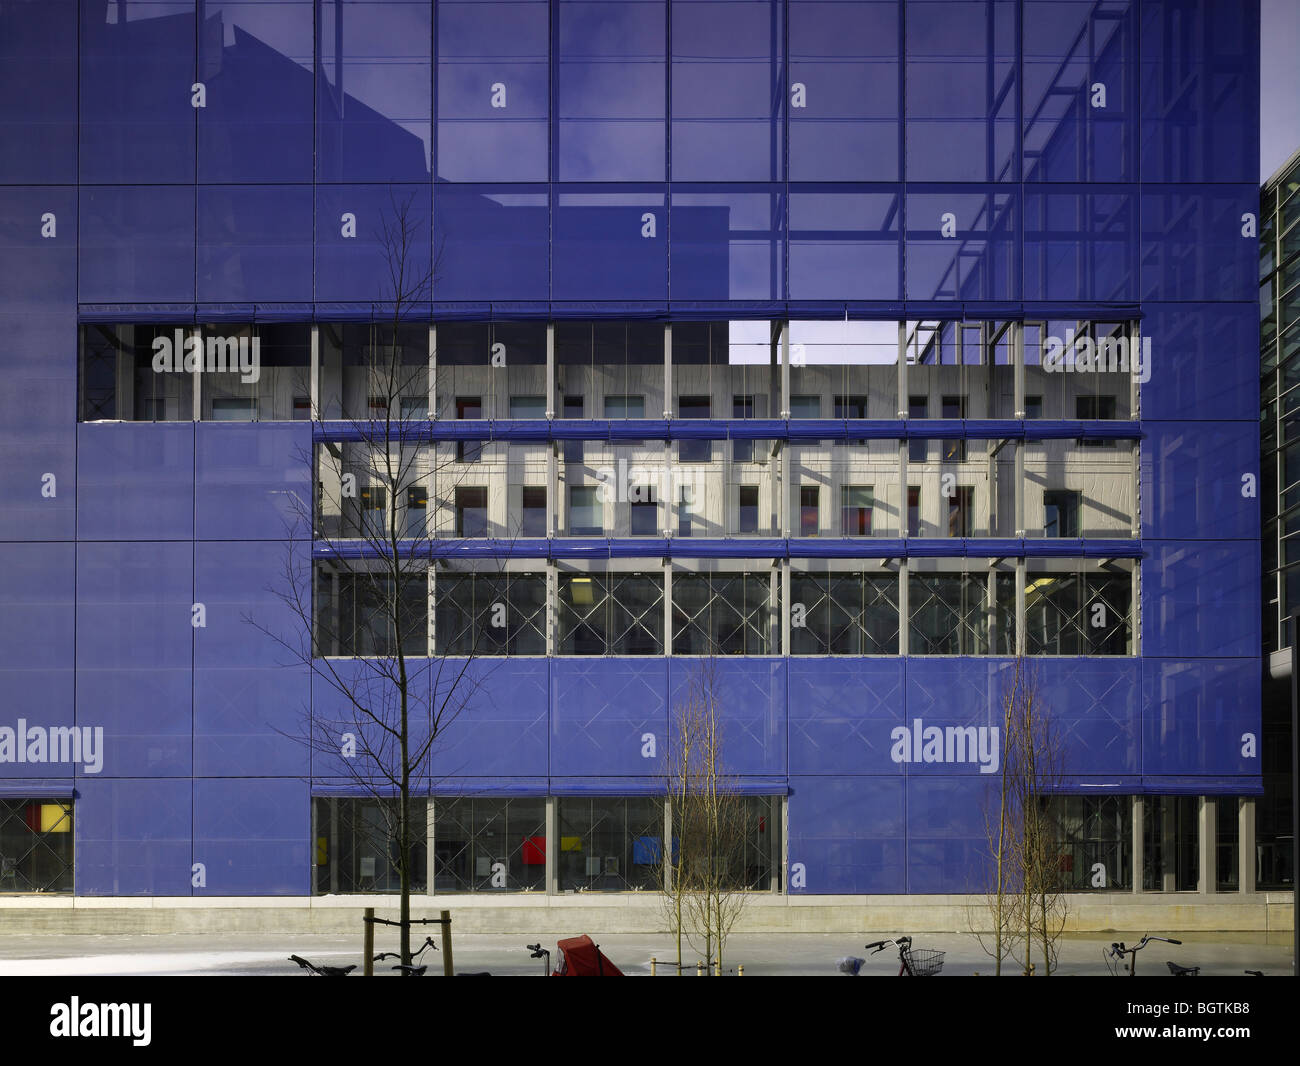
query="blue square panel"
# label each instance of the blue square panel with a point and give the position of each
(147, 720)
(749, 698)
(252, 836)
(258, 123)
(254, 243)
(134, 605)
(1080, 243)
(1092, 708)
(1201, 598)
(38, 92)
(947, 843)
(495, 719)
(1204, 361)
(1199, 243)
(137, 244)
(1200, 90)
(962, 244)
(38, 248)
(252, 481)
(133, 837)
(953, 719)
(1194, 475)
(493, 243)
(373, 89)
(846, 835)
(137, 101)
(1201, 717)
(727, 245)
(359, 232)
(606, 714)
(135, 481)
(842, 713)
(844, 243)
(610, 245)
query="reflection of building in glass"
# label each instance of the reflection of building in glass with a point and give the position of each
(759, 329)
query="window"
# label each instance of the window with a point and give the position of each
(694, 451)
(302, 408)
(959, 511)
(644, 518)
(533, 523)
(234, 410)
(845, 614)
(625, 407)
(748, 516)
(361, 846)
(949, 614)
(1078, 613)
(415, 408)
(917, 407)
(527, 406)
(490, 613)
(489, 845)
(373, 501)
(721, 614)
(684, 501)
(913, 510)
(417, 509)
(471, 512)
(610, 843)
(355, 616)
(611, 614)
(1095, 408)
(953, 451)
(855, 510)
(573, 408)
(851, 407)
(742, 451)
(36, 842)
(585, 512)
(469, 451)
(1033, 407)
(1060, 513)
(805, 407)
(809, 517)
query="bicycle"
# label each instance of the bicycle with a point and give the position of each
(415, 968)
(911, 962)
(1117, 951)
(321, 971)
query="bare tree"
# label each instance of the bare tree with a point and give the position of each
(364, 601)
(705, 873)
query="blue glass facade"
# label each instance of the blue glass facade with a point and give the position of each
(579, 160)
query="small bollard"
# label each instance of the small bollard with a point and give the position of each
(653, 964)
(445, 918)
(740, 971)
(699, 969)
(368, 944)
(717, 967)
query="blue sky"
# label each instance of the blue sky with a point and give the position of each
(1279, 115)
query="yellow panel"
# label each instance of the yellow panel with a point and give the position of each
(56, 818)
(322, 851)
(570, 843)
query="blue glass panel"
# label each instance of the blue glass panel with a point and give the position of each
(137, 245)
(251, 482)
(493, 91)
(1200, 90)
(36, 643)
(1204, 361)
(844, 243)
(38, 242)
(256, 60)
(727, 245)
(146, 713)
(1192, 244)
(842, 712)
(253, 837)
(1197, 715)
(250, 696)
(978, 260)
(947, 848)
(726, 90)
(254, 243)
(358, 267)
(961, 91)
(600, 711)
(1080, 244)
(1080, 91)
(1192, 480)
(133, 837)
(493, 243)
(38, 92)
(1201, 598)
(373, 90)
(610, 245)
(500, 724)
(956, 694)
(847, 834)
(135, 481)
(610, 90)
(137, 69)
(1094, 708)
(338, 685)
(844, 125)
(750, 697)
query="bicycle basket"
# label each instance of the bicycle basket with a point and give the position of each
(924, 963)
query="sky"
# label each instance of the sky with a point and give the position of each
(1279, 80)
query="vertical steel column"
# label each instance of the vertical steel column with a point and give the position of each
(196, 401)
(1139, 829)
(552, 873)
(314, 372)
(433, 372)
(1207, 833)
(1246, 844)
(1022, 641)
(430, 851)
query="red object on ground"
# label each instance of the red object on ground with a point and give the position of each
(582, 958)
